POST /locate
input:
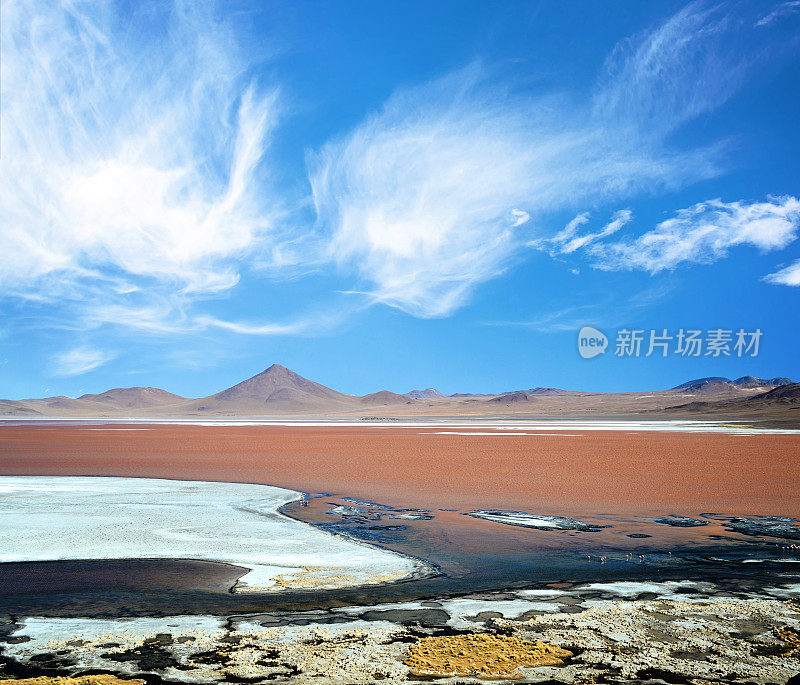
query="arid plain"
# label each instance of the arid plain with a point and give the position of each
(280, 530)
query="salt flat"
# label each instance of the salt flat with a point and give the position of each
(621, 425)
(44, 518)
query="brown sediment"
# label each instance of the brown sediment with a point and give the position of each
(77, 680)
(608, 472)
(482, 655)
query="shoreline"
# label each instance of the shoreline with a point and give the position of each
(683, 630)
(444, 563)
(757, 426)
(81, 519)
(496, 579)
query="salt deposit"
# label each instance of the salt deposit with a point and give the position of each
(45, 518)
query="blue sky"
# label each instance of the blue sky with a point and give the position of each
(395, 194)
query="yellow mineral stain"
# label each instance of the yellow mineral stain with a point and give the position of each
(318, 576)
(791, 639)
(481, 655)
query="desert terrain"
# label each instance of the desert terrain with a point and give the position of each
(440, 549)
(279, 392)
(280, 530)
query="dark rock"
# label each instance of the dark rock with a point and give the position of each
(772, 526)
(555, 522)
(429, 618)
(680, 521)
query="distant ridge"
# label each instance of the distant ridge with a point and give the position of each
(278, 391)
(742, 382)
(784, 396)
(426, 394)
(384, 397)
(512, 397)
(788, 393)
(749, 381)
(699, 382)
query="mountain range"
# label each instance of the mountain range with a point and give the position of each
(278, 391)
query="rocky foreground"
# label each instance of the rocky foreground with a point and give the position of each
(676, 639)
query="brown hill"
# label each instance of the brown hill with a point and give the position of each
(427, 394)
(512, 397)
(779, 404)
(12, 408)
(276, 390)
(547, 391)
(266, 384)
(384, 397)
(133, 398)
(782, 395)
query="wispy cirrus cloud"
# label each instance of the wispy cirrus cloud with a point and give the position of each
(254, 328)
(79, 360)
(661, 78)
(130, 153)
(310, 324)
(165, 319)
(704, 233)
(422, 200)
(783, 9)
(568, 240)
(606, 311)
(135, 180)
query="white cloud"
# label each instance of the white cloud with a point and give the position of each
(782, 10)
(520, 217)
(418, 199)
(79, 360)
(663, 77)
(134, 180)
(297, 327)
(166, 319)
(567, 242)
(604, 309)
(619, 219)
(568, 231)
(130, 152)
(789, 275)
(155, 315)
(703, 234)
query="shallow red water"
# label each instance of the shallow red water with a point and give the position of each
(597, 472)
